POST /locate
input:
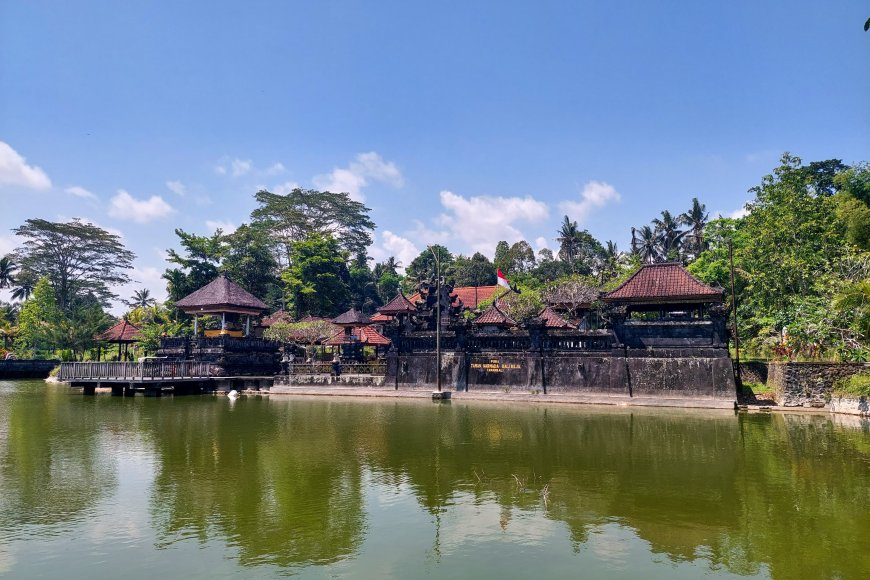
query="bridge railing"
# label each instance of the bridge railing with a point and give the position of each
(136, 371)
(377, 368)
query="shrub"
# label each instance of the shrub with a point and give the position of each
(854, 386)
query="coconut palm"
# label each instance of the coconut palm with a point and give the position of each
(7, 272)
(609, 261)
(569, 234)
(22, 290)
(648, 246)
(141, 299)
(670, 235)
(696, 220)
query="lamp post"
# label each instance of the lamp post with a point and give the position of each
(437, 317)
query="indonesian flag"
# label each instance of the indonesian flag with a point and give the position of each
(504, 283)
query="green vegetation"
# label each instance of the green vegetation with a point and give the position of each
(801, 258)
(854, 386)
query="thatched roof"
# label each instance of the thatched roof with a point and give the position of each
(352, 317)
(279, 316)
(221, 295)
(122, 332)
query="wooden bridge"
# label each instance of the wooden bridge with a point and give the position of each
(126, 372)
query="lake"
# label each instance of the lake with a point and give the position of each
(205, 487)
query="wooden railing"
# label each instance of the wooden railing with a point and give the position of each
(134, 371)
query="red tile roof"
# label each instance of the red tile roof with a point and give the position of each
(668, 282)
(221, 295)
(378, 318)
(467, 294)
(397, 305)
(364, 334)
(553, 320)
(495, 317)
(123, 331)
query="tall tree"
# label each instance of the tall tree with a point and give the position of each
(197, 265)
(141, 299)
(567, 239)
(78, 258)
(696, 220)
(247, 259)
(423, 266)
(305, 212)
(317, 279)
(474, 271)
(669, 235)
(40, 321)
(645, 243)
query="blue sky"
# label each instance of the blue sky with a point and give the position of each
(457, 122)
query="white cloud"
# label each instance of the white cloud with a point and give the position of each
(275, 169)
(226, 227)
(284, 188)
(483, 220)
(7, 244)
(595, 194)
(541, 243)
(14, 170)
(176, 187)
(126, 207)
(365, 168)
(235, 167)
(80, 192)
(401, 248)
(739, 213)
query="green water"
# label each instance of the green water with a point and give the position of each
(202, 487)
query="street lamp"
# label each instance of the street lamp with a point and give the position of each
(437, 317)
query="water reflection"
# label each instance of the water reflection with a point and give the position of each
(404, 488)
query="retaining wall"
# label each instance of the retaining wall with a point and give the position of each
(808, 384)
(26, 369)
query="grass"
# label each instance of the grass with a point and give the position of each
(854, 386)
(757, 388)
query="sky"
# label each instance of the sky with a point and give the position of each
(461, 123)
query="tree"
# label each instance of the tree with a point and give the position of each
(197, 266)
(141, 299)
(303, 213)
(7, 272)
(568, 241)
(317, 279)
(502, 258)
(696, 220)
(474, 271)
(78, 258)
(423, 266)
(247, 259)
(39, 321)
(645, 243)
(668, 235)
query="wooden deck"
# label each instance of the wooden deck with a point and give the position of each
(126, 372)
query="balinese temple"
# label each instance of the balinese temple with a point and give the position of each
(494, 319)
(399, 309)
(664, 290)
(355, 334)
(280, 316)
(223, 297)
(467, 296)
(124, 333)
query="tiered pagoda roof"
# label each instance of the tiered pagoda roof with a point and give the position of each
(122, 332)
(493, 316)
(667, 283)
(221, 295)
(552, 320)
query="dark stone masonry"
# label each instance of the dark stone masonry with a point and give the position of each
(808, 384)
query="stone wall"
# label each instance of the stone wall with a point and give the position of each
(660, 372)
(807, 384)
(753, 371)
(26, 369)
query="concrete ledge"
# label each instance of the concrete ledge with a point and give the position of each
(588, 399)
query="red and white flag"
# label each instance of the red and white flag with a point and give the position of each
(504, 283)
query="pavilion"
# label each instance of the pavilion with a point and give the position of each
(494, 318)
(123, 333)
(356, 333)
(667, 290)
(223, 297)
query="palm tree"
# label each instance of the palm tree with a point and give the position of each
(7, 271)
(696, 220)
(609, 261)
(569, 234)
(670, 235)
(22, 290)
(141, 299)
(648, 245)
